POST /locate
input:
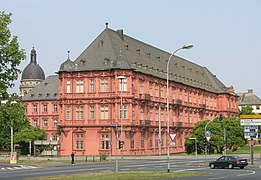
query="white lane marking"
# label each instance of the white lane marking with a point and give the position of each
(194, 169)
(224, 177)
(248, 174)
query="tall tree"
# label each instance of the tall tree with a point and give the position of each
(10, 55)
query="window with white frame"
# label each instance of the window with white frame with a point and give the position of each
(68, 86)
(45, 123)
(104, 85)
(55, 108)
(35, 108)
(79, 138)
(91, 82)
(91, 116)
(35, 123)
(68, 113)
(45, 108)
(105, 141)
(123, 112)
(79, 86)
(123, 85)
(79, 113)
(104, 114)
(55, 123)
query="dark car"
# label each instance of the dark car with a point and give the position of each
(228, 162)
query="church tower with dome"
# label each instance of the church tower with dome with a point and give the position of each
(32, 75)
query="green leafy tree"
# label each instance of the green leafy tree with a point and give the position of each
(26, 136)
(234, 131)
(246, 110)
(10, 55)
(11, 115)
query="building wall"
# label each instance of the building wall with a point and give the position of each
(90, 134)
(43, 114)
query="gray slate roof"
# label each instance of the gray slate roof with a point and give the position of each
(248, 98)
(46, 90)
(115, 50)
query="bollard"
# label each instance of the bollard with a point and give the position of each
(100, 158)
(92, 158)
(86, 159)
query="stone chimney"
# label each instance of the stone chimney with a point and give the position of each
(120, 33)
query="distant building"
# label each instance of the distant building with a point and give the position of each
(250, 99)
(88, 94)
(32, 75)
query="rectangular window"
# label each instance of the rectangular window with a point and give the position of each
(68, 86)
(91, 113)
(55, 123)
(123, 85)
(104, 112)
(142, 112)
(35, 108)
(79, 86)
(257, 107)
(123, 112)
(68, 113)
(35, 123)
(55, 108)
(45, 108)
(104, 141)
(91, 85)
(79, 113)
(104, 85)
(45, 124)
(156, 91)
(150, 88)
(79, 144)
(131, 141)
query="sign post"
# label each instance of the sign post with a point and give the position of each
(250, 123)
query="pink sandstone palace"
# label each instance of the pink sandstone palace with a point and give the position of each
(118, 80)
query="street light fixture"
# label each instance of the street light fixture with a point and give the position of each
(121, 79)
(189, 46)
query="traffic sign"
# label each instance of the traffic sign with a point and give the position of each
(207, 133)
(250, 135)
(208, 138)
(251, 129)
(250, 122)
(172, 136)
(253, 116)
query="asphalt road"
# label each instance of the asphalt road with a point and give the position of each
(249, 172)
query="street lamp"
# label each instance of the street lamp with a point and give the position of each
(189, 46)
(196, 147)
(121, 79)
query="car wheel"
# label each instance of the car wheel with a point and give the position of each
(242, 167)
(230, 166)
(212, 166)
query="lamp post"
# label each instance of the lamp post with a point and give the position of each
(205, 138)
(189, 46)
(196, 147)
(121, 78)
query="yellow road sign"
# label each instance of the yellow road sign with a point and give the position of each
(254, 116)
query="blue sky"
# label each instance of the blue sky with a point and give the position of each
(226, 33)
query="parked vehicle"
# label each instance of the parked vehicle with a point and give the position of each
(229, 162)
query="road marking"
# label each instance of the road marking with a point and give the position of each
(224, 177)
(248, 174)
